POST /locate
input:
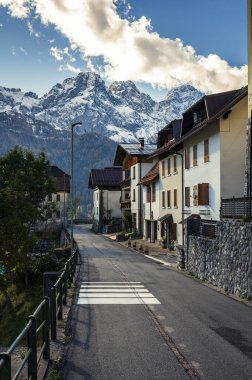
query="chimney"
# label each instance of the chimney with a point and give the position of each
(141, 141)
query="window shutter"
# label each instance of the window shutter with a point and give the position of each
(163, 199)
(195, 155)
(187, 196)
(187, 158)
(148, 194)
(169, 166)
(163, 169)
(175, 164)
(168, 198)
(195, 195)
(175, 200)
(203, 190)
(206, 150)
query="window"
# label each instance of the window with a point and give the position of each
(175, 200)
(57, 214)
(134, 195)
(169, 166)
(148, 194)
(153, 192)
(134, 220)
(206, 150)
(97, 196)
(169, 198)
(134, 172)
(195, 155)
(97, 210)
(187, 158)
(163, 199)
(174, 164)
(187, 196)
(203, 194)
(58, 198)
(163, 169)
(49, 197)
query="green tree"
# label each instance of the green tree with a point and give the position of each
(24, 184)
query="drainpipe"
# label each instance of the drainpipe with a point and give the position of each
(150, 215)
(140, 200)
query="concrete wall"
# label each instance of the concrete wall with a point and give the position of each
(225, 261)
(110, 201)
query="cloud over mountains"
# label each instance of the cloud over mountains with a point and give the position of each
(129, 49)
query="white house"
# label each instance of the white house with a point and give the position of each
(135, 162)
(214, 138)
(150, 183)
(106, 185)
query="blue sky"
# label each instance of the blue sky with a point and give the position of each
(142, 40)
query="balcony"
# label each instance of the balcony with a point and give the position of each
(125, 204)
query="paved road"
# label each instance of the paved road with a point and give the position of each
(165, 325)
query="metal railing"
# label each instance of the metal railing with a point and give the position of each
(236, 208)
(40, 324)
(202, 227)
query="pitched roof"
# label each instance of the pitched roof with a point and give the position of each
(60, 178)
(107, 177)
(133, 149)
(151, 176)
(215, 112)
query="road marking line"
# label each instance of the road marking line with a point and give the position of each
(104, 293)
(111, 290)
(119, 301)
(122, 282)
(113, 286)
(111, 295)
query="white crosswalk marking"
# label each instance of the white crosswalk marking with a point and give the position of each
(115, 293)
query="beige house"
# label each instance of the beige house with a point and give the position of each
(170, 228)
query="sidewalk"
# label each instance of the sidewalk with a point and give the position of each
(155, 251)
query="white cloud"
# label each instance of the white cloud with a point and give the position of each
(130, 49)
(32, 31)
(68, 67)
(1, 25)
(23, 50)
(60, 54)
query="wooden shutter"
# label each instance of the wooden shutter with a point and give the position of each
(187, 196)
(148, 194)
(168, 198)
(195, 155)
(195, 195)
(169, 166)
(175, 164)
(187, 158)
(163, 169)
(175, 199)
(206, 150)
(163, 199)
(203, 191)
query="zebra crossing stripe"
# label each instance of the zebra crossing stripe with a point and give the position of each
(109, 293)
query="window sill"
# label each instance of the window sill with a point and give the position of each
(174, 173)
(175, 206)
(169, 207)
(168, 175)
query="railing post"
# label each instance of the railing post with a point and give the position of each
(32, 344)
(60, 298)
(53, 313)
(46, 329)
(5, 369)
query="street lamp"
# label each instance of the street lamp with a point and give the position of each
(72, 181)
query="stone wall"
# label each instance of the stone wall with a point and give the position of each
(225, 261)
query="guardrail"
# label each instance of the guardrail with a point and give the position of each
(40, 324)
(236, 208)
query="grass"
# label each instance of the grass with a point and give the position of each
(13, 316)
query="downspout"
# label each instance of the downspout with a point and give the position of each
(140, 200)
(150, 215)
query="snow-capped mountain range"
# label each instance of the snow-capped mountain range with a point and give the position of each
(120, 111)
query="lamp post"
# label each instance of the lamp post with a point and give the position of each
(72, 181)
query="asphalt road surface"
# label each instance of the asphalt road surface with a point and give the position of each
(135, 319)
